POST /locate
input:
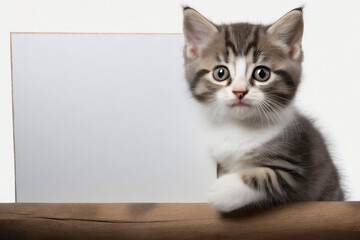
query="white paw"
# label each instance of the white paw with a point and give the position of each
(229, 193)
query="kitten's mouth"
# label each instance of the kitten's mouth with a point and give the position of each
(239, 103)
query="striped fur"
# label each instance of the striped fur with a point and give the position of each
(267, 152)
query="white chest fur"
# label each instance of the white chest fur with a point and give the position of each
(230, 142)
(233, 141)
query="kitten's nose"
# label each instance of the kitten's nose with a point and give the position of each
(240, 94)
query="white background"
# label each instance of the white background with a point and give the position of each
(331, 82)
(106, 118)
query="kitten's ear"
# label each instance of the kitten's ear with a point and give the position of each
(289, 30)
(198, 31)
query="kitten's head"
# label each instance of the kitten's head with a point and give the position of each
(241, 70)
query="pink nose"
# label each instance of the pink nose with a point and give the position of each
(240, 94)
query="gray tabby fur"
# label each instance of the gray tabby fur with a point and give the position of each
(294, 164)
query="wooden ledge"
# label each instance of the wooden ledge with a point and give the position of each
(309, 220)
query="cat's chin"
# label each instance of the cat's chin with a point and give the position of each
(243, 111)
(240, 111)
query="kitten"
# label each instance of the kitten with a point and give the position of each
(245, 76)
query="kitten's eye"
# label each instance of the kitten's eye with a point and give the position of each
(221, 73)
(261, 74)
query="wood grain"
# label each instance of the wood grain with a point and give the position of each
(310, 220)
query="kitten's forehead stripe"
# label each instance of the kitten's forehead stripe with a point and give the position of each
(241, 38)
(254, 42)
(228, 42)
(256, 55)
(218, 58)
(241, 32)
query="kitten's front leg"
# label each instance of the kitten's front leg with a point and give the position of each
(230, 192)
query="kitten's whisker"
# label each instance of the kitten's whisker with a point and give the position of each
(262, 122)
(262, 107)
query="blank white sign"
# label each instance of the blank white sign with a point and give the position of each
(106, 118)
